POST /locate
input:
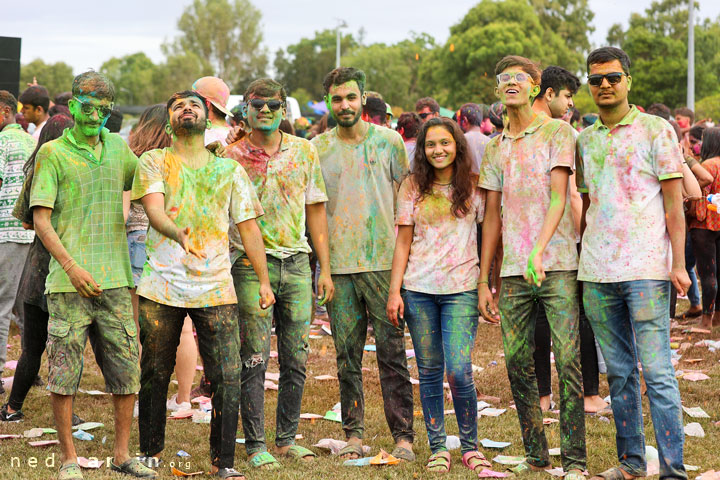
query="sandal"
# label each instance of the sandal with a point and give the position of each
(522, 468)
(439, 462)
(403, 454)
(351, 449)
(475, 460)
(265, 461)
(687, 315)
(70, 471)
(614, 473)
(133, 467)
(227, 473)
(297, 452)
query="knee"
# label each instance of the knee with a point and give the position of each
(460, 376)
(431, 370)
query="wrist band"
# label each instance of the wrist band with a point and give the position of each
(480, 282)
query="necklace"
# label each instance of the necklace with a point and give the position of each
(438, 183)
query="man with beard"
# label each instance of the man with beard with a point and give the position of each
(191, 198)
(76, 198)
(360, 161)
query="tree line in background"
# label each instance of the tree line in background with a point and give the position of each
(224, 38)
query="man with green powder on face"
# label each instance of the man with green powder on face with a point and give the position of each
(361, 162)
(76, 198)
(527, 168)
(285, 171)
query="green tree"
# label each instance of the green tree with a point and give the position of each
(393, 70)
(228, 35)
(656, 42)
(463, 69)
(305, 64)
(56, 77)
(178, 73)
(134, 78)
(571, 19)
(708, 107)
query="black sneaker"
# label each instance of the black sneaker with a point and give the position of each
(6, 416)
(76, 420)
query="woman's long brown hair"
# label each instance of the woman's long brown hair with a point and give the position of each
(463, 180)
(149, 133)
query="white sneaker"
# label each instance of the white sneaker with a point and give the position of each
(172, 405)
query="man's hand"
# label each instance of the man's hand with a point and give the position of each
(83, 282)
(267, 297)
(680, 279)
(216, 148)
(235, 134)
(326, 288)
(183, 238)
(28, 226)
(535, 273)
(486, 304)
(395, 308)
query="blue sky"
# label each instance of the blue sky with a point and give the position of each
(56, 31)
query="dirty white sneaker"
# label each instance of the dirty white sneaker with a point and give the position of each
(172, 405)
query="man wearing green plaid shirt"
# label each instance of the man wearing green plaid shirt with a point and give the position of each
(76, 198)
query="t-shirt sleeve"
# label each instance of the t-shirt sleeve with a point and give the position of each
(406, 203)
(491, 175)
(399, 165)
(562, 148)
(315, 191)
(45, 180)
(666, 157)
(130, 165)
(148, 175)
(580, 171)
(244, 203)
(479, 199)
(3, 158)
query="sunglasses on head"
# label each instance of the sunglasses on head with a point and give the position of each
(597, 79)
(518, 76)
(273, 105)
(88, 109)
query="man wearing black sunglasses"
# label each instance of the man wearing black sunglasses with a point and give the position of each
(427, 108)
(285, 171)
(629, 168)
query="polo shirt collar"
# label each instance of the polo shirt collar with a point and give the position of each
(537, 122)
(628, 119)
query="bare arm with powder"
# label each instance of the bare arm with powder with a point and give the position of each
(535, 273)
(79, 277)
(675, 218)
(154, 205)
(318, 226)
(491, 229)
(255, 250)
(395, 306)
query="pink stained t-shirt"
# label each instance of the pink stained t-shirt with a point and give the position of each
(443, 255)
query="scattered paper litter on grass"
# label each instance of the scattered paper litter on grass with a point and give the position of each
(491, 412)
(548, 421)
(44, 443)
(310, 416)
(90, 463)
(336, 445)
(414, 381)
(449, 412)
(554, 452)
(181, 414)
(559, 472)
(88, 426)
(333, 416)
(370, 348)
(7, 382)
(695, 376)
(270, 385)
(275, 377)
(696, 412)
(315, 337)
(691, 468)
(477, 369)
(508, 460)
(482, 405)
(180, 473)
(7, 436)
(326, 329)
(697, 330)
(452, 442)
(202, 399)
(653, 460)
(384, 458)
(11, 365)
(410, 353)
(91, 392)
(83, 435)
(182, 453)
(694, 430)
(357, 462)
(709, 475)
(325, 377)
(201, 417)
(486, 473)
(273, 354)
(33, 433)
(487, 443)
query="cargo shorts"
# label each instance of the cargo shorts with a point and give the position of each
(110, 315)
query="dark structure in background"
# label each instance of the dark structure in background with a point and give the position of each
(10, 65)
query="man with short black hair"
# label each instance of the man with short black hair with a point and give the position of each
(76, 198)
(35, 104)
(470, 119)
(629, 166)
(361, 162)
(427, 108)
(557, 87)
(16, 146)
(408, 126)
(659, 110)
(374, 111)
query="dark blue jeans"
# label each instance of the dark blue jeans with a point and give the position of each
(631, 323)
(443, 329)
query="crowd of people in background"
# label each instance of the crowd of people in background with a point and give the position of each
(211, 226)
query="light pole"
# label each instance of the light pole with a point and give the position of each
(341, 24)
(691, 56)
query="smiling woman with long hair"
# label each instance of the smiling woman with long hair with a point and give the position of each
(436, 264)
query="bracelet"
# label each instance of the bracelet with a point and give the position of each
(71, 262)
(480, 282)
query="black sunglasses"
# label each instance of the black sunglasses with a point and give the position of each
(424, 115)
(273, 105)
(613, 78)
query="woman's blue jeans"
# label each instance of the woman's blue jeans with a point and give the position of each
(443, 329)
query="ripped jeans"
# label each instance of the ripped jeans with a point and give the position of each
(291, 282)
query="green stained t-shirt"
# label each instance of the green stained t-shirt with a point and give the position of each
(85, 194)
(359, 180)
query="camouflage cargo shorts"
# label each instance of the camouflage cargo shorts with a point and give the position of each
(111, 318)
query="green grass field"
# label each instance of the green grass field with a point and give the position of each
(17, 457)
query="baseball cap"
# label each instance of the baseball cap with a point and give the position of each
(215, 90)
